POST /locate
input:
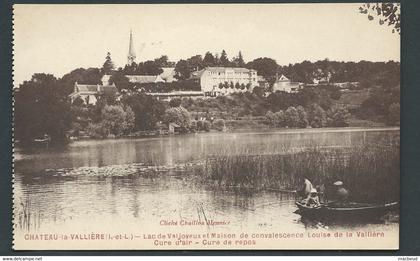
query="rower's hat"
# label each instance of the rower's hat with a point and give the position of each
(313, 190)
(338, 183)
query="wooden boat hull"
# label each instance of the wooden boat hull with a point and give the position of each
(350, 211)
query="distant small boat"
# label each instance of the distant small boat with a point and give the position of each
(347, 211)
(45, 141)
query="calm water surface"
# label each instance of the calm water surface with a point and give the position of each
(138, 181)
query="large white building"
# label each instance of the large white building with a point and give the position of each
(225, 80)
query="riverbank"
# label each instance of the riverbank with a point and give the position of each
(267, 130)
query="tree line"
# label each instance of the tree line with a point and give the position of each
(42, 105)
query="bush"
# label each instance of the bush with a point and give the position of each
(178, 115)
(317, 116)
(114, 120)
(276, 119)
(203, 125)
(337, 117)
(335, 94)
(291, 117)
(219, 124)
(303, 117)
(175, 102)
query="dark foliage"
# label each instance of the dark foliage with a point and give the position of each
(41, 108)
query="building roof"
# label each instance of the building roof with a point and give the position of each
(224, 69)
(197, 74)
(109, 89)
(86, 88)
(174, 125)
(168, 73)
(94, 89)
(283, 78)
(144, 78)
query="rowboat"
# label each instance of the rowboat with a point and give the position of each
(346, 211)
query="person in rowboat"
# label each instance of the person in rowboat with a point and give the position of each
(341, 194)
(305, 189)
(313, 199)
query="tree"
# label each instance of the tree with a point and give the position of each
(219, 124)
(238, 61)
(226, 85)
(147, 110)
(209, 60)
(41, 108)
(178, 115)
(303, 117)
(195, 63)
(389, 13)
(292, 117)
(337, 116)
(163, 61)
(80, 75)
(175, 102)
(148, 68)
(270, 118)
(257, 91)
(279, 118)
(182, 70)
(317, 116)
(108, 65)
(116, 120)
(276, 119)
(120, 81)
(266, 67)
(224, 61)
(335, 93)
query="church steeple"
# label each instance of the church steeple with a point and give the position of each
(131, 57)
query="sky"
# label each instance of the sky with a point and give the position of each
(59, 38)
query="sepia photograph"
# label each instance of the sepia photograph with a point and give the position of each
(206, 126)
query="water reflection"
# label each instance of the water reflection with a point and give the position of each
(138, 180)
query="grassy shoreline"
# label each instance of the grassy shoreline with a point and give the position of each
(370, 172)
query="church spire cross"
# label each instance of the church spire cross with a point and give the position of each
(131, 57)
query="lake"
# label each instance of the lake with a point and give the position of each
(140, 186)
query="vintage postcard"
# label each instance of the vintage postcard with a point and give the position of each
(206, 126)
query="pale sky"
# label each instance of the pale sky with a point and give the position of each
(59, 38)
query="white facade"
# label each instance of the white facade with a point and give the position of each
(212, 77)
(283, 84)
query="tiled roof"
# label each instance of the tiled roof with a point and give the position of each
(110, 89)
(224, 69)
(88, 88)
(142, 78)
